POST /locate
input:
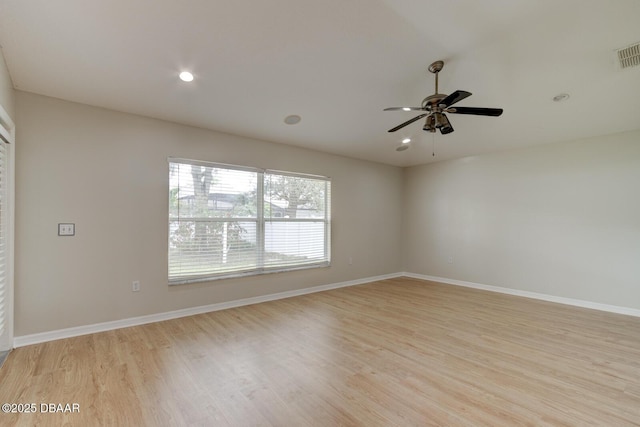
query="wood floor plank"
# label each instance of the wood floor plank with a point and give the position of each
(400, 352)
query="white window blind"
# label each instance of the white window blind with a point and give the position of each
(3, 235)
(296, 219)
(7, 153)
(229, 220)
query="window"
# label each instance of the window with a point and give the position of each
(7, 182)
(3, 230)
(216, 228)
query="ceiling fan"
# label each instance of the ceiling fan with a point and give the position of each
(434, 107)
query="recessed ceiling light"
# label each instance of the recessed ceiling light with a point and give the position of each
(293, 119)
(402, 147)
(186, 76)
(406, 140)
(406, 109)
(561, 97)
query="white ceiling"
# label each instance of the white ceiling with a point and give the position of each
(337, 63)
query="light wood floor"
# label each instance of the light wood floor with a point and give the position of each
(398, 352)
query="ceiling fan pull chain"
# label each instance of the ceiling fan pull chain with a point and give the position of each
(433, 144)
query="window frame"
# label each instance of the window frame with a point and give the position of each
(260, 220)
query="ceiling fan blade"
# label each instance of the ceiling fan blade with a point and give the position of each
(493, 112)
(404, 109)
(408, 122)
(456, 96)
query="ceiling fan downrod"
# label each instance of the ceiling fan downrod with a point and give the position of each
(435, 68)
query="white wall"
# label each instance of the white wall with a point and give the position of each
(560, 219)
(6, 88)
(107, 172)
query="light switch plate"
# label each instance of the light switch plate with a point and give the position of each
(66, 229)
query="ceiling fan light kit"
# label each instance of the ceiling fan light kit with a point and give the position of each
(436, 105)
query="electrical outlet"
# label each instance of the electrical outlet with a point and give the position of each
(66, 229)
(135, 286)
(450, 260)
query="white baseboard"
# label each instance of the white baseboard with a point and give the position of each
(24, 340)
(545, 297)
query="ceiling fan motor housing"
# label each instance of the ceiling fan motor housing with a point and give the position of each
(432, 101)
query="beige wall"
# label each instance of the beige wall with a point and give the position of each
(107, 172)
(6, 88)
(560, 219)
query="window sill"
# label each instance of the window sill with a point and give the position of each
(185, 281)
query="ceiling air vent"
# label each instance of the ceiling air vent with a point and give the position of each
(629, 56)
